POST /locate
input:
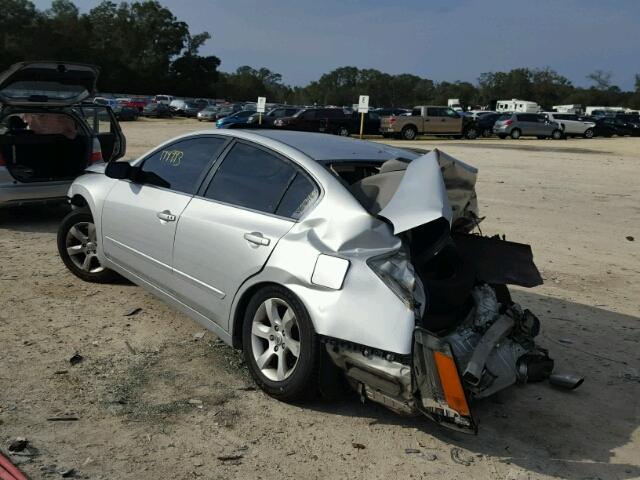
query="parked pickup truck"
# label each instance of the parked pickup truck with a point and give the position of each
(429, 120)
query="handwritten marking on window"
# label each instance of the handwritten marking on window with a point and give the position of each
(172, 157)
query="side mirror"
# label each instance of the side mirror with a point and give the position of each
(119, 170)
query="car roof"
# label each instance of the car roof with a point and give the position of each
(324, 147)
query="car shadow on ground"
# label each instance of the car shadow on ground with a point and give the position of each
(34, 218)
(582, 434)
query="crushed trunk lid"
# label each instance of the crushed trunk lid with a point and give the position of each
(410, 194)
(47, 83)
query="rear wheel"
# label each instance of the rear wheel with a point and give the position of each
(343, 131)
(77, 246)
(557, 134)
(409, 133)
(515, 134)
(280, 345)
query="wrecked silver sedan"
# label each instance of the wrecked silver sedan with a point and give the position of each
(300, 248)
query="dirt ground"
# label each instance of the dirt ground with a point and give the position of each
(152, 400)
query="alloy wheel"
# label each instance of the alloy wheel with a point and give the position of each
(275, 339)
(81, 246)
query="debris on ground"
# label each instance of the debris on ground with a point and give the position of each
(195, 402)
(66, 418)
(130, 348)
(630, 238)
(18, 444)
(358, 446)
(76, 358)
(566, 341)
(460, 457)
(231, 457)
(431, 457)
(199, 335)
(132, 312)
(411, 450)
(67, 473)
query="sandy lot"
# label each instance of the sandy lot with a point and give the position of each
(152, 401)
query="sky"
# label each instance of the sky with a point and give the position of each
(438, 39)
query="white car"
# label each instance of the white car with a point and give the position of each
(571, 124)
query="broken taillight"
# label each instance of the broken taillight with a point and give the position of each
(392, 120)
(507, 122)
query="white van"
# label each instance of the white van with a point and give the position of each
(166, 99)
(455, 104)
(515, 105)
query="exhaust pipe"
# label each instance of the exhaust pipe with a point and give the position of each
(567, 380)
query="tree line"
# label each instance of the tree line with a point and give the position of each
(142, 48)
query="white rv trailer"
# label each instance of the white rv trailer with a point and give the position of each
(515, 105)
(573, 108)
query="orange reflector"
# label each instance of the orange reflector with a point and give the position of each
(451, 385)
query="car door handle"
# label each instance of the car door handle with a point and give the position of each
(257, 239)
(166, 215)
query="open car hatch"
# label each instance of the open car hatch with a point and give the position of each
(47, 83)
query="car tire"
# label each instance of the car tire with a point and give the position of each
(588, 133)
(77, 245)
(471, 133)
(342, 131)
(515, 133)
(557, 134)
(409, 133)
(270, 341)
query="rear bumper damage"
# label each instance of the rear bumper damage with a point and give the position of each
(469, 339)
(486, 353)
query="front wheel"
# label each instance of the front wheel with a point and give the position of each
(471, 133)
(77, 246)
(280, 345)
(557, 134)
(588, 133)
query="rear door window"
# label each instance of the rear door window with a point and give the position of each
(253, 178)
(182, 165)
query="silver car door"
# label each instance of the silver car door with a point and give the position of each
(140, 216)
(227, 234)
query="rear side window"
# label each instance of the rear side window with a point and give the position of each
(252, 178)
(309, 115)
(181, 165)
(527, 117)
(417, 112)
(301, 194)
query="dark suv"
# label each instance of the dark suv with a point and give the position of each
(311, 119)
